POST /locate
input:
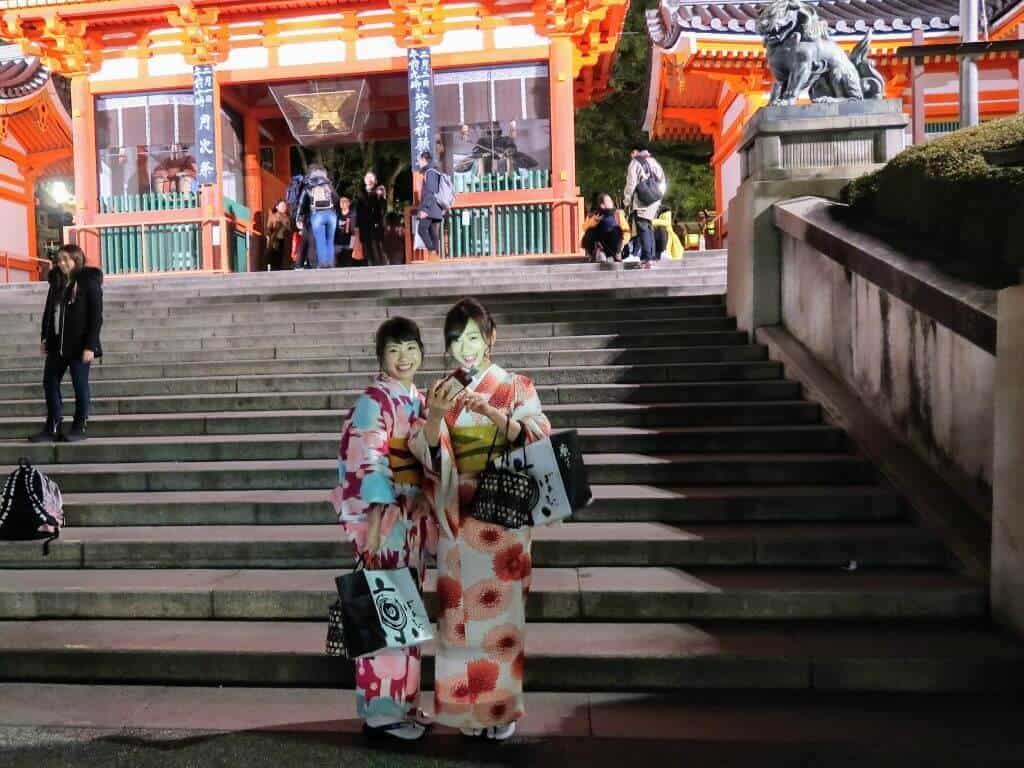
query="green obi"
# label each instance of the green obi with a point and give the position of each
(471, 445)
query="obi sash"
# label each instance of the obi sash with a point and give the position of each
(405, 470)
(471, 445)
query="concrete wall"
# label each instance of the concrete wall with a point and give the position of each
(931, 386)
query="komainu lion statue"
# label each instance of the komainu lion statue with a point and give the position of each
(802, 56)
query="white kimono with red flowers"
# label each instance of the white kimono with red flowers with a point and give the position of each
(483, 570)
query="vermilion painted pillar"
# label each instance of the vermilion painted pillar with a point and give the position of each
(253, 187)
(83, 138)
(1020, 71)
(563, 144)
(917, 113)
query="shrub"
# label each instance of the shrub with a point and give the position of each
(948, 205)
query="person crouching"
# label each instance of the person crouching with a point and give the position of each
(70, 340)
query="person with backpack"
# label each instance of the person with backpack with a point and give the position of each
(320, 204)
(70, 339)
(645, 189)
(436, 197)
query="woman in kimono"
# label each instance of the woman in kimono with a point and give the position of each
(386, 516)
(483, 570)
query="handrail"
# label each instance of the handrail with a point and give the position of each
(96, 228)
(6, 258)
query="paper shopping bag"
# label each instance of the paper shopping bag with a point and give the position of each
(556, 463)
(380, 610)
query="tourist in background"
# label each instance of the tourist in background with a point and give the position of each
(645, 189)
(344, 235)
(71, 324)
(483, 569)
(430, 213)
(386, 516)
(319, 206)
(279, 236)
(371, 208)
(604, 231)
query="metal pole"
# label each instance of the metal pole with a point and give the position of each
(968, 66)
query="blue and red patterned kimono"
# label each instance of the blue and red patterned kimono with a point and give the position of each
(379, 487)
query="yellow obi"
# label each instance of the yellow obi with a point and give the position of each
(405, 470)
(471, 445)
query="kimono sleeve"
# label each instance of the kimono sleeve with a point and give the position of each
(365, 483)
(527, 411)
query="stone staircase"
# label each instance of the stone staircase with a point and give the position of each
(735, 540)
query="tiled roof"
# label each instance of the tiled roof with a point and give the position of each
(21, 77)
(844, 17)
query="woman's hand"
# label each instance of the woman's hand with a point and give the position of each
(477, 403)
(440, 399)
(373, 520)
(442, 396)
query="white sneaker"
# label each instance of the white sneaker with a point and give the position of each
(404, 730)
(493, 733)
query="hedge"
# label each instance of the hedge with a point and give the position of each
(942, 201)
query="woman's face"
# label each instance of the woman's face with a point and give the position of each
(471, 349)
(401, 360)
(281, 207)
(65, 263)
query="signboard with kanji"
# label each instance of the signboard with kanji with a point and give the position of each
(206, 122)
(421, 102)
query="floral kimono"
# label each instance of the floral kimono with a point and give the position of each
(483, 570)
(379, 485)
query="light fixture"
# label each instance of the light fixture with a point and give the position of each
(59, 192)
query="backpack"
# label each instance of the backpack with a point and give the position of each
(320, 195)
(31, 507)
(648, 189)
(445, 195)
(293, 196)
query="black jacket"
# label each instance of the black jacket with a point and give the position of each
(370, 211)
(83, 314)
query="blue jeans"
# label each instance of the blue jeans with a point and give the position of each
(646, 234)
(323, 224)
(54, 370)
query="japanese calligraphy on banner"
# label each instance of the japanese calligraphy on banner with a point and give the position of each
(206, 121)
(421, 102)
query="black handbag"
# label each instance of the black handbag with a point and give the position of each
(505, 496)
(335, 628)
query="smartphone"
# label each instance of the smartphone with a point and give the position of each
(462, 376)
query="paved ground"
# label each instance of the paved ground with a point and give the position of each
(142, 726)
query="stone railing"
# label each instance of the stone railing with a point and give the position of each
(917, 346)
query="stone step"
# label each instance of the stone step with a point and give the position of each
(929, 657)
(612, 468)
(349, 333)
(324, 445)
(304, 319)
(348, 329)
(698, 281)
(653, 415)
(556, 594)
(727, 728)
(576, 544)
(30, 358)
(107, 371)
(331, 382)
(611, 503)
(703, 392)
(393, 302)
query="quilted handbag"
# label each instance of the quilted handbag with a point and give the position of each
(505, 495)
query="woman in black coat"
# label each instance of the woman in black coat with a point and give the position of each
(70, 339)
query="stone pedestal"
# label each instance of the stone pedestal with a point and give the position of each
(1008, 480)
(791, 151)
